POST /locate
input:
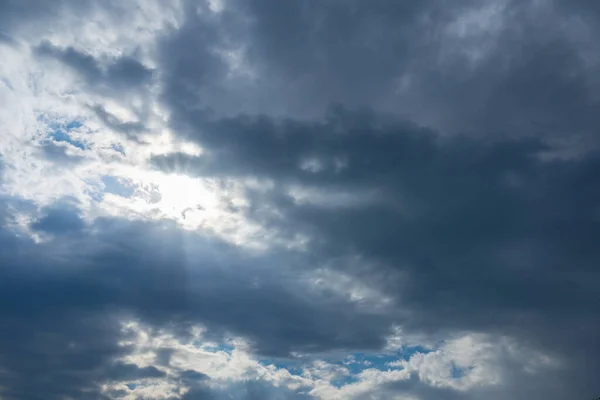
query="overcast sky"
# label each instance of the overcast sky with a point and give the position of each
(299, 199)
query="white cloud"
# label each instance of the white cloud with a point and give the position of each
(37, 93)
(464, 363)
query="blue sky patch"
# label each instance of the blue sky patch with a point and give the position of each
(359, 362)
(343, 381)
(216, 348)
(354, 363)
(118, 148)
(458, 372)
(60, 132)
(60, 136)
(293, 367)
(116, 186)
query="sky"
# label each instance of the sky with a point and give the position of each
(300, 199)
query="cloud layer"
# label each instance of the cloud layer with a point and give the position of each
(301, 199)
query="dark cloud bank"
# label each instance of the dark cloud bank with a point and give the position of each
(483, 211)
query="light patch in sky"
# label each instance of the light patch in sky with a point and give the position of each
(232, 361)
(66, 133)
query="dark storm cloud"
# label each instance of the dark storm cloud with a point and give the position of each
(350, 52)
(59, 219)
(301, 55)
(483, 232)
(61, 303)
(489, 68)
(130, 372)
(488, 231)
(48, 351)
(529, 80)
(492, 236)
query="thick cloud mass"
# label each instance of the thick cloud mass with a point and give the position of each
(263, 199)
(124, 71)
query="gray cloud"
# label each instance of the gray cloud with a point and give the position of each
(61, 218)
(250, 390)
(445, 121)
(127, 372)
(491, 236)
(487, 232)
(7, 40)
(62, 303)
(131, 130)
(492, 68)
(124, 72)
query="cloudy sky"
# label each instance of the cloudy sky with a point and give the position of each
(299, 199)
